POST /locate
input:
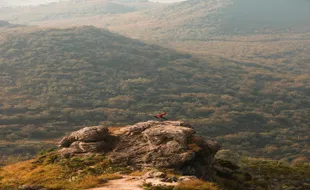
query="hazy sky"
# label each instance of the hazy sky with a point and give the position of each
(6, 3)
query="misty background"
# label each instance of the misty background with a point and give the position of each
(12, 3)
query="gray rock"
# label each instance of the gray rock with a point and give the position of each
(79, 147)
(87, 134)
(162, 134)
(89, 146)
(154, 174)
(213, 145)
(86, 140)
(68, 152)
(90, 134)
(171, 179)
(187, 178)
(159, 144)
(156, 144)
(163, 145)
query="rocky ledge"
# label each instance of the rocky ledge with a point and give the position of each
(155, 144)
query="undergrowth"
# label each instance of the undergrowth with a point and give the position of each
(52, 171)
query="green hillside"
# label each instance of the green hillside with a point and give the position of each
(196, 19)
(188, 20)
(274, 34)
(55, 80)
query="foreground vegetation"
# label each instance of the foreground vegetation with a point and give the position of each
(51, 171)
(259, 174)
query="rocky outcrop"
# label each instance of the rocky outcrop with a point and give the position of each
(84, 141)
(156, 144)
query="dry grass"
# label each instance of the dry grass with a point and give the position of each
(138, 173)
(27, 173)
(64, 174)
(88, 182)
(15, 172)
(111, 176)
(49, 176)
(94, 181)
(196, 185)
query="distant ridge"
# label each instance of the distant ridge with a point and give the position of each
(6, 24)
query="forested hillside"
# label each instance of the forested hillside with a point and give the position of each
(55, 80)
(188, 20)
(274, 34)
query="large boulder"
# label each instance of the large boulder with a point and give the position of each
(153, 143)
(157, 144)
(166, 144)
(86, 140)
(87, 134)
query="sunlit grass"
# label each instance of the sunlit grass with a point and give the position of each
(196, 185)
(52, 171)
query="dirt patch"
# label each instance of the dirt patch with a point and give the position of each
(126, 183)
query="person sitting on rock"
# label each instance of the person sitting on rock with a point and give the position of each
(161, 116)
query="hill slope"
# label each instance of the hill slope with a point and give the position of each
(198, 19)
(91, 70)
(54, 79)
(274, 33)
(201, 19)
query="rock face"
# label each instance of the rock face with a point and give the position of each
(166, 144)
(86, 140)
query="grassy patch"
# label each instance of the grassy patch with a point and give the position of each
(138, 173)
(196, 185)
(52, 171)
(149, 186)
(265, 174)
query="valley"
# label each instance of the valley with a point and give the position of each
(241, 80)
